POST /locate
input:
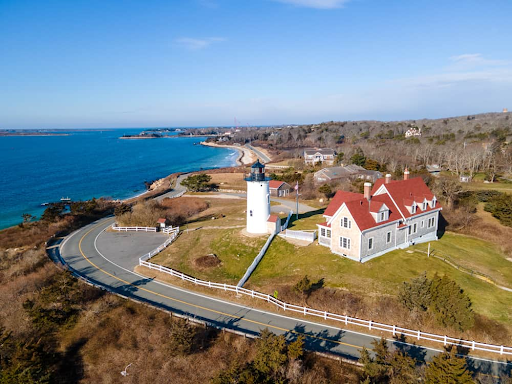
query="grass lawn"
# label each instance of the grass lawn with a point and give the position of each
(227, 213)
(229, 181)
(480, 186)
(235, 251)
(306, 221)
(285, 264)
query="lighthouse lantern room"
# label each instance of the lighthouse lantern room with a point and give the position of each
(258, 199)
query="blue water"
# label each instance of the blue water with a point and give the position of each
(39, 169)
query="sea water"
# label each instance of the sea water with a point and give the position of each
(86, 164)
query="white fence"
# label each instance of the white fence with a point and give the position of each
(300, 235)
(169, 230)
(149, 255)
(285, 225)
(256, 261)
(136, 229)
(343, 319)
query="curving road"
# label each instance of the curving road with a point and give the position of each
(93, 255)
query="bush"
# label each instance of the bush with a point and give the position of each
(501, 208)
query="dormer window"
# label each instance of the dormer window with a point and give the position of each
(424, 208)
(383, 216)
(413, 208)
(434, 201)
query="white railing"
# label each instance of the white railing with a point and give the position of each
(169, 230)
(324, 241)
(343, 319)
(285, 225)
(154, 252)
(256, 261)
(300, 235)
(136, 229)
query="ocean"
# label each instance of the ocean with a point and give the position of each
(87, 164)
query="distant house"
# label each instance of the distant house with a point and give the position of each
(274, 224)
(434, 169)
(394, 214)
(413, 132)
(465, 179)
(319, 155)
(279, 188)
(349, 172)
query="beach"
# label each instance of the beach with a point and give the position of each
(246, 156)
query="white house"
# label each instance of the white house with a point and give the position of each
(319, 155)
(394, 214)
(413, 132)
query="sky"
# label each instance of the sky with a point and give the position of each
(176, 63)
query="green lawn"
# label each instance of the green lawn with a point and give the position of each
(307, 221)
(235, 251)
(285, 263)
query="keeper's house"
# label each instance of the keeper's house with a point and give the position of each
(393, 214)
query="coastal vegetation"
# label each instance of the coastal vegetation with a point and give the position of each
(147, 213)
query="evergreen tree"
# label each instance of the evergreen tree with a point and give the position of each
(271, 353)
(197, 183)
(447, 368)
(450, 305)
(416, 294)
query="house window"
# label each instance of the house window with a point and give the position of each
(346, 223)
(370, 243)
(424, 206)
(322, 232)
(415, 228)
(413, 208)
(344, 243)
(431, 222)
(388, 237)
(382, 216)
(250, 213)
(422, 223)
(434, 202)
(328, 232)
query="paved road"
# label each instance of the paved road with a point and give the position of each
(264, 158)
(85, 254)
(177, 189)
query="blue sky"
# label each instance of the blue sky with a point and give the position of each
(127, 63)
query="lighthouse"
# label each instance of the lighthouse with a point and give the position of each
(258, 199)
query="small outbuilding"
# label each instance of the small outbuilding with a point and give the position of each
(162, 223)
(274, 224)
(279, 188)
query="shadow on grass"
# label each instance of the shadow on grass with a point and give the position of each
(304, 216)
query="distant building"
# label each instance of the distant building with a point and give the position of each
(319, 155)
(434, 169)
(349, 172)
(411, 132)
(279, 188)
(465, 179)
(505, 110)
(394, 214)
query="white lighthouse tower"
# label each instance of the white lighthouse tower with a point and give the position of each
(258, 199)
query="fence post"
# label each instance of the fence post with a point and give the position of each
(473, 346)
(209, 284)
(346, 320)
(325, 315)
(236, 289)
(419, 334)
(501, 350)
(225, 286)
(252, 293)
(394, 330)
(370, 325)
(284, 306)
(268, 298)
(444, 340)
(304, 311)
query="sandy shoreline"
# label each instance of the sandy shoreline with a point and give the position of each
(246, 156)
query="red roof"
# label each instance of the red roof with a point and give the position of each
(324, 225)
(401, 192)
(161, 221)
(339, 198)
(275, 184)
(406, 191)
(272, 219)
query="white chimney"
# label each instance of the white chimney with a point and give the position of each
(406, 174)
(388, 178)
(367, 188)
